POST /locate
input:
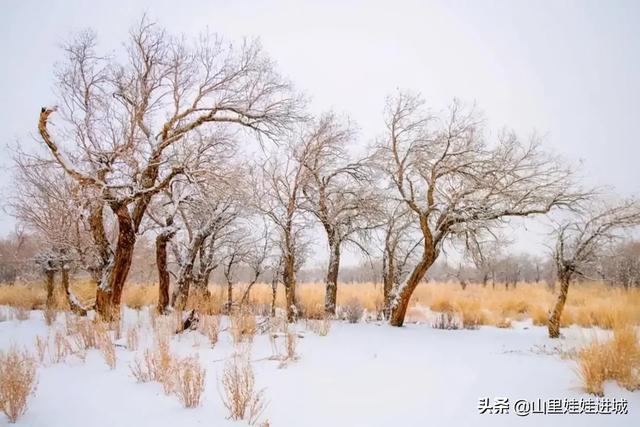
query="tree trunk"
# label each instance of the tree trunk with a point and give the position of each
(49, 282)
(331, 288)
(229, 302)
(185, 277)
(289, 281)
(400, 301)
(556, 314)
(402, 294)
(164, 280)
(181, 293)
(109, 294)
(388, 273)
(74, 304)
(274, 291)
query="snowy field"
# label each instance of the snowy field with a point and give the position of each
(364, 374)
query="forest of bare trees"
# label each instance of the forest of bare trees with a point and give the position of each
(193, 163)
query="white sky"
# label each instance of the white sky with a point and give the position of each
(567, 69)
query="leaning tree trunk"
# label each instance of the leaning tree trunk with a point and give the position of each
(74, 304)
(164, 280)
(402, 294)
(331, 288)
(400, 299)
(49, 282)
(109, 294)
(556, 314)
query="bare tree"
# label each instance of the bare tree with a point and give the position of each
(582, 240)
(49, 204)
(207, 220)
(120, 120)
(257, 259)
(338, 193)
(278, 184)
(455, 184)
(401, 240)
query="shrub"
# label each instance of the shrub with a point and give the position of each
(238, 393)
(447, 320)
(17, 382)
(353, 310)
(190, 376)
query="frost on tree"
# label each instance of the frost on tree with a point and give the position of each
(337, 191)
(456, 185)
(581, 242)
(119, 121)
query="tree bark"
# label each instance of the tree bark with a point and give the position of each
(400, 301)
(164, 280)
(181, 293)
(229, 302)
(388, 274)
(185, 277)
(74, 304)
(49, 283)
(331, 288)
(109, 294)
(556, 314)
(402, 294)
(289, 281)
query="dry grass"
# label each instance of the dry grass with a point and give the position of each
(319, 327)
(17, 381)
(144, 369)
(41, 345)
(291, 344)
(617, 359)
(156, 365)
(210, 327)
(242, 325)
(49, 315)
(105, 344)
(588, 304)
(239, 394)
(132, 338)
(83, 331)
(189, 384)
(61, 348)
(22, 313)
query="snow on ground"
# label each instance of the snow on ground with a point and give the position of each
(365, 374)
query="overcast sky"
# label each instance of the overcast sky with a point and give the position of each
(569, 70)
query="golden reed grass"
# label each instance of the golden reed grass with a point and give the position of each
(616, 359)
(588, 304)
